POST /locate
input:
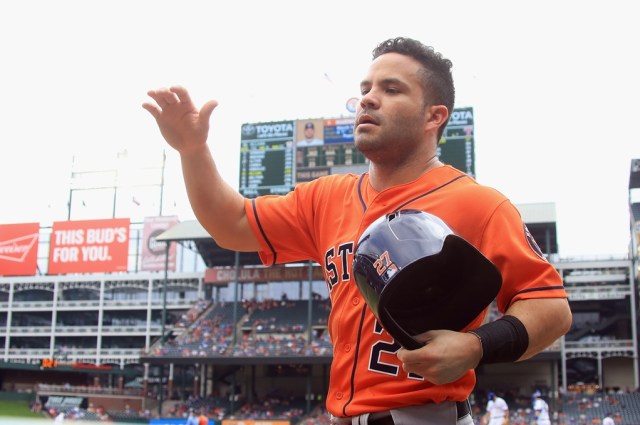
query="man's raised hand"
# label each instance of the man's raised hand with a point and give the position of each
(182, 125)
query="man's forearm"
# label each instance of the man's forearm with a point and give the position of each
(546, 320)
(216, 205)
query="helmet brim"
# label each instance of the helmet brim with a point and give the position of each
(447, 290)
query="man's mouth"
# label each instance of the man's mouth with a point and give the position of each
(366, 119)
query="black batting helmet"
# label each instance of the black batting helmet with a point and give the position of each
(417, 275)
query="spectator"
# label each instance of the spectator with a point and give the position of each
(203, 419)
(192, 419)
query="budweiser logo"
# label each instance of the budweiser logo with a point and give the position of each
(17, 249)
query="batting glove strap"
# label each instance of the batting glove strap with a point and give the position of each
(503, 341)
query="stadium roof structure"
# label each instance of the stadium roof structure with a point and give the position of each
(539, 217)
(634, 175)
(192, 232)
(635, 211)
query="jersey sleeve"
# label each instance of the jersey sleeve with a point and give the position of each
(281, 225)
(526, 273)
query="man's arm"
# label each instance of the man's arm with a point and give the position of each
(217, 206)
(546, 320)
(447, 355)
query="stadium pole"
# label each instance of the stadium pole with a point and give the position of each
(164, 291)
(164, 319)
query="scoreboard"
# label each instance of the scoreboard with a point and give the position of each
(266, 158)
(456, 146)
(273, 160)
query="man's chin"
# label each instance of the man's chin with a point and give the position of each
(368, 150)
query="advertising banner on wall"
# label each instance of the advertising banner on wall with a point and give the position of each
(19, 249)
(261, 274)
(89, 246)
(154, 253)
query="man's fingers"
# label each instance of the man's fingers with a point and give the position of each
(207, 109)
(178, 96)
(163, 97)
(181, 94)
(153, 109)
(169, 97)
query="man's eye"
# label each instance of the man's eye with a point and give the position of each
(392, 90)
(364, 91)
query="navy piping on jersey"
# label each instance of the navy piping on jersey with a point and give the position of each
(355, 361)
(524, 291)
(431, 191)
(255, 214)
(364, 205)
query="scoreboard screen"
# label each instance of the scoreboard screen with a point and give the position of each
(456, 146)
(338, 130)
(275, 156)
(266, 158)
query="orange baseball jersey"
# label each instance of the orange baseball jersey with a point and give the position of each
(322, 220)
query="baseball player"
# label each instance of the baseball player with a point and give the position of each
(192, 419)
(407, 96)
(608, 420)
(497, 410)
(541, 409)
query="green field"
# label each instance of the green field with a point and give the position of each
(17, 408)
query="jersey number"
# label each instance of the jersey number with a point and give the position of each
(379, 347)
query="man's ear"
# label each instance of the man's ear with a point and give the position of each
(437, 115)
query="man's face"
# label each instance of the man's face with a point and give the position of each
(309, 132)
(391, 117)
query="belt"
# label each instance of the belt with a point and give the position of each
(385, 418)
(464, 408)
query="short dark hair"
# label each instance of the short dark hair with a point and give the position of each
(437, 78)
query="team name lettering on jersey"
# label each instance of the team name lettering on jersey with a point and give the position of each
(334, 263)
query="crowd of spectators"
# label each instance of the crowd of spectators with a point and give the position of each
(212, 336)
(581, 405)
(270, 345)
(320, 345)
(267, 328)
(276, 316)
(270, 408)
(193, 313)
(273, 406)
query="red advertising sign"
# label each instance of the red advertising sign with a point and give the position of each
(19, 249)
(89, 246)
(154, 253)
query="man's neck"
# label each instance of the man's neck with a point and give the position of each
(382, 177)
